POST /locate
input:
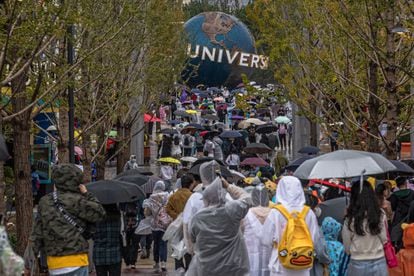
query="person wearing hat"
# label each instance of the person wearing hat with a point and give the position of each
(61, 226)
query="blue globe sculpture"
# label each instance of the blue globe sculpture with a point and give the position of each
(220, 49)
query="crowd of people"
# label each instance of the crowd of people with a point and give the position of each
(215, 225)
(231, 207)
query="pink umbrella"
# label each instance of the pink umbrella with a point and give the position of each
(254, 161)
(151, 118)
(78, 151)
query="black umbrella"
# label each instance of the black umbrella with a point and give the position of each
(292, 166)
(257, 148)
(181, 113)
(4, 153)
(334, 208)
(169, 131)
(196, 126)
(402, 167)
(114, 191)
(211, 117)
(230, 134)
(134, 179)
(309, 150)
(188, 129)
(134, 172)
(268, 128)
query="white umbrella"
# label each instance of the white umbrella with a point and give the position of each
(344, 164)
(189, 159)
(248, 122)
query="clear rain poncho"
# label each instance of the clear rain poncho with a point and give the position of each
(219, 246)
(257, 228)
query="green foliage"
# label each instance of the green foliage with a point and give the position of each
(339, 62)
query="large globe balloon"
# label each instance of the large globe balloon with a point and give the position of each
(220, 49)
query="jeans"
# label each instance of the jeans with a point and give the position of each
(160, 247)
(377, 267)
(82, 271)
(130, 251)
(108, 270)
(282, 138)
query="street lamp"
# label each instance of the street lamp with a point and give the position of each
(402, 31)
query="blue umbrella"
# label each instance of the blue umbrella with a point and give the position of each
(174, 122)
(230, 134)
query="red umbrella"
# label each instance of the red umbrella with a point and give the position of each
(151, 118)
(254, 161)
(203, 133)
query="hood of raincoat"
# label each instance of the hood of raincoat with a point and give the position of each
(208, 172)
(290, 193)
(408, 235)
(218, 141)
(214, 194)
(67, 177)
(260, 196)
(331, 229)
(158, 187)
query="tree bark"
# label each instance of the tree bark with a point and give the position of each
(21, 145)
(2, 191)
(124, 133)
(390, 88)
(63, 146)
(373, 105)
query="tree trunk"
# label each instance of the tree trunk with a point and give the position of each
(373, 108)
(100, 158)
(86, 160)
(2, 191)
(124, 133)
(390, 88)
(21, 145)
(63, 146)
(313, 133)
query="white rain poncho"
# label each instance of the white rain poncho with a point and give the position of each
(290, 194)
(257, 233)
(219, 246)
(195, 202)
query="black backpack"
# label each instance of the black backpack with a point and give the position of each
(176, 140)
(186, 140)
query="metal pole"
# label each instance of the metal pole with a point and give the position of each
(71, 101)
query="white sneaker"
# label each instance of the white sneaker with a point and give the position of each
(156, 267)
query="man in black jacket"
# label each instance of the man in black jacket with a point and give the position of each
(401, 200)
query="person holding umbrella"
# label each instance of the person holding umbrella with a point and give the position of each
(364, 232)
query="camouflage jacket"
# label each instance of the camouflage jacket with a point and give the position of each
(53, 233)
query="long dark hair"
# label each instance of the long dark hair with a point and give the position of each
(364, 206)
